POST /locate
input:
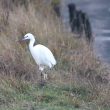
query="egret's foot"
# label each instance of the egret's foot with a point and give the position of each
(42, 83)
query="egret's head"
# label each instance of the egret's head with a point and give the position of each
(28, 36)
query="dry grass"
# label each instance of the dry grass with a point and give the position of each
(76, 63)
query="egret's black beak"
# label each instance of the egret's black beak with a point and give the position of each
(23, 39)
(20, 40)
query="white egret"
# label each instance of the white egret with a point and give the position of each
(41, 54)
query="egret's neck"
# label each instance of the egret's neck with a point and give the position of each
(31, 44)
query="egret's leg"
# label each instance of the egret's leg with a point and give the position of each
(45, 76)
(41, 76)
(41, 69)
(42, 81)
(46, 73)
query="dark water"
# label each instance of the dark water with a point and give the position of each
(99, 14)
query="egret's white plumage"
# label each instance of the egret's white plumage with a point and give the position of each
(41, 54)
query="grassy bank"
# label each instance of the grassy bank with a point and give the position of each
(21, 95)
(78, 81)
